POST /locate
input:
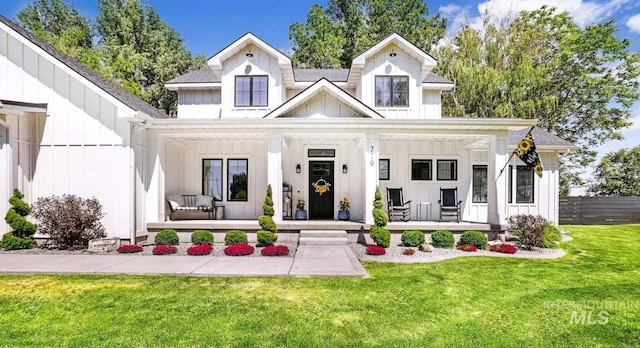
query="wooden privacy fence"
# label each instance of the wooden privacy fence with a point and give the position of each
(599, 210)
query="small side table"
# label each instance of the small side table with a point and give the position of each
(427, 206)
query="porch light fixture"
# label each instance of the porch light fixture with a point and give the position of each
(298, 169)
(249, 55)
(345, 170)
(393, 53)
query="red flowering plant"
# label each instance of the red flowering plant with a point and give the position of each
(503, 248)
(129, 249)
(199, 250)
(164, 249)
(409, 251)
(467, 247)
(239, 249)
(375, 250)
(275, 250)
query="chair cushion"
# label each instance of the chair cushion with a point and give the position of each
(175, 201)
(203, 201)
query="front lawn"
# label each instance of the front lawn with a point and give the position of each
(473, 302)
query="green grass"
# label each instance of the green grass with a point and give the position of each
(472, 302)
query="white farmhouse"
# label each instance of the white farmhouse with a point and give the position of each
(251, 120)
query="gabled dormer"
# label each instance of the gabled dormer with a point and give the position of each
(395, 78)
(250, 79)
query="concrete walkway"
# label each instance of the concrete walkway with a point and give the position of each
(310, 260)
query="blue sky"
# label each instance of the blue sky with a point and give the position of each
(208, 26)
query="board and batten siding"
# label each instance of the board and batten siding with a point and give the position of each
(401, 153)
(323, 105)
(545, 199)
(81, 147)
(201, 104)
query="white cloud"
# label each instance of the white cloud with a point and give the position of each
(634, 23)
(635, 125)
(583, 12)
(449, 9)
(457, 17)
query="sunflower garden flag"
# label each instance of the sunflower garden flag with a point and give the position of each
(529, 155)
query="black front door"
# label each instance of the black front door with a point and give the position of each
(321, 189)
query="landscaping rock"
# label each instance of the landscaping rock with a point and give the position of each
(103, 245)
(427, 248)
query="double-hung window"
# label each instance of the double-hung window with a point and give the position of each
(447, 170)
(252, 90)
(383, 169)
(479, 190)
(238, 179)
(212, 178)
(392, 91)
(421, 169)
(524, 184)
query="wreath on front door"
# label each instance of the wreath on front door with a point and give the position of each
(321, 186)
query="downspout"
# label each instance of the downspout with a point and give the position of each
(132, 180)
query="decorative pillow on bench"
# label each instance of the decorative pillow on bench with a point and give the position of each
(175, 201)
(204, 201)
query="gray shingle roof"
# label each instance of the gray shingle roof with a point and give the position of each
(197, 76)
(313, 75)
(116, 91)
(435, 78)
(541, 138)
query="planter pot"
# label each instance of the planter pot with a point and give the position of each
(344, 215)
(301, 214)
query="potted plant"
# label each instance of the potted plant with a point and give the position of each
(344, 214)
(301, 214)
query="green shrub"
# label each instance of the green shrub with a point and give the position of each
(267, 206)
(199, 237)
(11, 242)
(380, 236)
(167, 237)
(529, 229)
(380, 218)
(266, 237)
(476, 238)
(69, 220)
(235, 237)
(412, 238)
(442, 239)
(266, 223)
(16, 216)
(551, 236)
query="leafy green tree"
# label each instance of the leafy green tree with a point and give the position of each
(618, 174)
(141, 51)
(63, 26)
(332, 37)
(580, 83)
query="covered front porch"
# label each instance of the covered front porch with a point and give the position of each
(280, 152)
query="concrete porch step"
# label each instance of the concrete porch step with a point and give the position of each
(323, 237)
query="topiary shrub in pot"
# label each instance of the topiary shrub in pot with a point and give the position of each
(476, 238)
(166, 237)
(442, 239)
(233, 237)
(199, 237)
(412, 238)
(20, 237)
(267, 233)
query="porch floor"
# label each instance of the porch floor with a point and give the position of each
(297, 225)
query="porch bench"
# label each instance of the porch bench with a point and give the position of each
(193, 203)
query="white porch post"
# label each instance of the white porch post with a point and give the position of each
(496, 186)
(274, 174)
(370, 156)
(6, 158)
(155, 193)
